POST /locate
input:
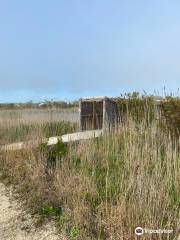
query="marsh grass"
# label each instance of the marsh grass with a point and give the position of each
(27, 124)
(104, 188)
(23, 132)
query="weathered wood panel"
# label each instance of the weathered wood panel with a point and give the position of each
(97, 113)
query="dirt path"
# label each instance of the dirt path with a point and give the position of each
(16, 224)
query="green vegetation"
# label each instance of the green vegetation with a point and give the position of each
(139, 108)
(103, 188)
(42, 105)
(24, 131)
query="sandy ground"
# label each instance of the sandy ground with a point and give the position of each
(16, 224)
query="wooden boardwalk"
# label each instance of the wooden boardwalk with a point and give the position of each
(77, 136)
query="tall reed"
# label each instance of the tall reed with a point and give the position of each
(105, 187)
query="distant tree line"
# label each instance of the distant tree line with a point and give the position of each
(41, 105)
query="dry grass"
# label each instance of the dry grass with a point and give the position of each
(29, 116)
(21, 125)
(104, 188)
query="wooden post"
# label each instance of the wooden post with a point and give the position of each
(94, 115)
(104, 114)
(80, 115)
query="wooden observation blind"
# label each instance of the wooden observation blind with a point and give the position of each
(97, 113)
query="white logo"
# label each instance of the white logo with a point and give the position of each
(139, 231)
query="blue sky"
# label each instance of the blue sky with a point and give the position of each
(65, 49)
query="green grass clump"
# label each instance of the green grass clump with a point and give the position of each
(21, 132)
(139, 108)
(49, 211)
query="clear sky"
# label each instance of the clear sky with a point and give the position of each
(65, 49)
